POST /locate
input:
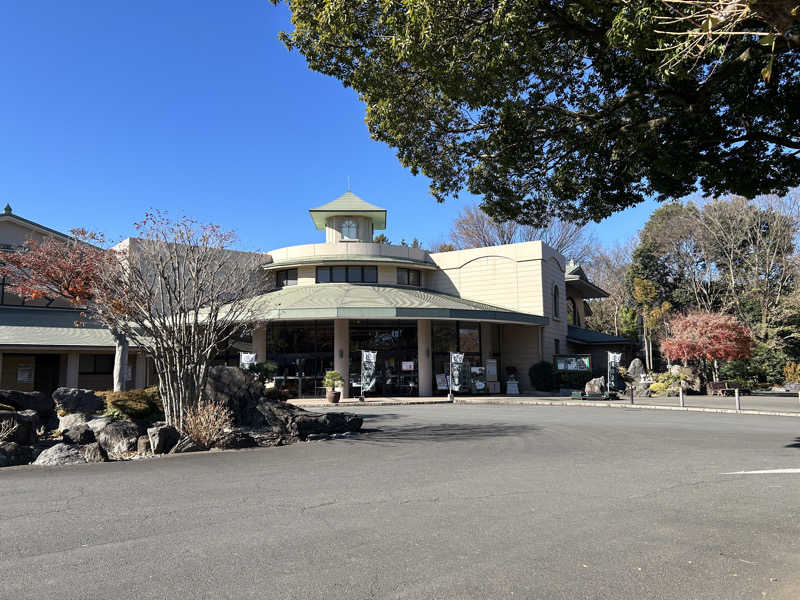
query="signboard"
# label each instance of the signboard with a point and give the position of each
(407, 365)
(442, 382)
(478, 377)
(573, 363)
(368, 360)
(25, 373)
(459, 376)
(491, 369)
(246, 360)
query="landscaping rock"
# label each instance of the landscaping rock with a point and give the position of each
(314, 437)
(118, 436)
(235, 440)
(27, 422)
(37, 401)
(186, 444)
(94, 453)
(239, 390)
(74, 400)
(163, 438)
(97, 424)
(595, 386)
(71, 420)
(307, 423)
(143, 445)
(635, 370)
(61, 454)
(78, 434)
(13, 454)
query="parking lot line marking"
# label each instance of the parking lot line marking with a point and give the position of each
(764, 472)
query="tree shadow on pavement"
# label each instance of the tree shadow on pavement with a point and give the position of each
(795, 445)
(445, 432)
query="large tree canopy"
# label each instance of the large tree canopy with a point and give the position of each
(572, 109)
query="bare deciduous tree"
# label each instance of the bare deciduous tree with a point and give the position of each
(754, 244)
(180, 294)
(475, 229)
(607, 269)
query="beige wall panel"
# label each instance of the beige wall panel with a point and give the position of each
(520, 349)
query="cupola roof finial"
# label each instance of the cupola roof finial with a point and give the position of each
(7, 209)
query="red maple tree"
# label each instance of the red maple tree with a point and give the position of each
(707, 336)
(55, 268)
(69, 269)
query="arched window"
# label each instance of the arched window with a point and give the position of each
(556, 302)
(349, 230)
(573, 318)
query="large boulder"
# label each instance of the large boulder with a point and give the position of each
(596, 385)
(635, 370)
(162, 438)
(74, 400)
(286, 418)
(239, 390)
(70, 420)
(97, 424)
(94, 453)
(118, 436)
(37, 401)
(26, 421)
(186, 444)
(78, 434)
(61, 454)
(234, 440)
(13, 454)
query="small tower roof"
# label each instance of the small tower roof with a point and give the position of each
(349, 204)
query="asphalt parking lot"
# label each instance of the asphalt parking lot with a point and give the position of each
(439, 501)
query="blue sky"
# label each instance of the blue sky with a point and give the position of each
(110, 108)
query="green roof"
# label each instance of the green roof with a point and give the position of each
(580, 335)
(352, 301)
(349, 204)
(21, 326)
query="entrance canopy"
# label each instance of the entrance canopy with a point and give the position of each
(348, 301)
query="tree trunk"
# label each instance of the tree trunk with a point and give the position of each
(120, 361)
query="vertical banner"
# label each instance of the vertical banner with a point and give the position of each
(614, 382)
(368, 360)
(456, 372)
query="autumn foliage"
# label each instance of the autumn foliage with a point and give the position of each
(704, 335)
(54, 268)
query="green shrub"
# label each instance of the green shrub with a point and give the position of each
(276, 394)
(541, 375)
(332, 379)
(659, 387)
(134, 404)
(576, 381)
(264, 371)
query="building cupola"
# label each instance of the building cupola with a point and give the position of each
(348, 219)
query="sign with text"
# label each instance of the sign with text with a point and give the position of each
(572, 363)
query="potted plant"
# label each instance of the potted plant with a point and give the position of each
(331, 381)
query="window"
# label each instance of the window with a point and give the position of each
(349, 230)
(370, 274)
(347, 274)
(354, 274)
(573, 318)
(286, 277)
(408, 277)
(323, 274)
(556, 346)
(96, 364)
(556, 302)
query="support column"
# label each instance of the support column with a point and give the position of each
(141, 371)
(73, 366)
(260, 343)
(341, 352)
(424, 357)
